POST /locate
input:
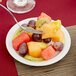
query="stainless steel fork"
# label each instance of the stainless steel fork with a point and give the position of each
(24, 28)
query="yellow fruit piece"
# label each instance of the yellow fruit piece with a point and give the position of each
(59, 36)
(28, 57)
(42, 45)
(35, 52)
(48, 30)
(35, 48)
(58, 23)
(37, 28)
(29, 33)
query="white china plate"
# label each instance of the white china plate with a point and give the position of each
(55, 59)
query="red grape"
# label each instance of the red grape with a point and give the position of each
(47, 40)
(23, 49)
(31, 23)
(58, 46)
(36, 37)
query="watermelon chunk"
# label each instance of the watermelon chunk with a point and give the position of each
(42, 15)
(48, 52)
(22, 38)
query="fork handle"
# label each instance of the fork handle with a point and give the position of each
(9, 12)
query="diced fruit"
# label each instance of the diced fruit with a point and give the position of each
(42, 45)
(35, 48)
(58, 46)
(59, 36)
(23, 49)
(47, 40)
(57, 23)
(31, 23)
(17, 33)
(42, 21)
(48, 52)
(36, 37)
(28, 57)
(30, 34)
(22, 38)
(44, 15)
(39, 47)
(48, 30)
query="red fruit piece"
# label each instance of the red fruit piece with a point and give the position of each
(42, 15)
(48, 53)
(23, 49)
(22, 38)
(36, 37)
(32, 24)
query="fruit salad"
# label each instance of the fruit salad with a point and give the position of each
(39, 47)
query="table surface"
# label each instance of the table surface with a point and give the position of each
(65, 67)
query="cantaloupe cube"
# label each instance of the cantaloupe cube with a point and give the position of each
(59, 36)
(48, 30)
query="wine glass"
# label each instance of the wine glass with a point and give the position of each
(20, 6)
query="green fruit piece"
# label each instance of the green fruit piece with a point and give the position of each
(28, 57)
(42, 21)
(19, 31)
(42, 45)
(57, 23)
